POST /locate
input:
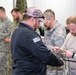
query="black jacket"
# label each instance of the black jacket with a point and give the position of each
(30, 55)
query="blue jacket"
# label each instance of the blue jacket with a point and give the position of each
(30, 55)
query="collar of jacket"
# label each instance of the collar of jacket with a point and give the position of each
(25, 25)
(55, 26)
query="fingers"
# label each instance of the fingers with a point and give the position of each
(67, 53)
(56, 49)
(7, 39)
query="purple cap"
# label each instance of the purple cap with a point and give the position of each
(34, 12)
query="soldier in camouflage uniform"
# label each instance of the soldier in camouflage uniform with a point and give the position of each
(5, 26)
(17, 16)
(54, 35)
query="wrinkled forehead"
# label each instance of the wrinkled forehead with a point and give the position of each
(71, 24)
(47, 15)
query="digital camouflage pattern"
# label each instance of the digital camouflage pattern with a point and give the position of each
(55, 37)
(5, 27)
(9, 72)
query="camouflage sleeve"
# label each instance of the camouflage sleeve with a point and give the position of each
(6, 29)
(59, 40)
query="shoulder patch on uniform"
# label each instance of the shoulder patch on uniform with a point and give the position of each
(36, 39)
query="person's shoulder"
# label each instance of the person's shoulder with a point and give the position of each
(68, 35)
(8, 21)
(28, 30)
(30, 34)
(60, 25)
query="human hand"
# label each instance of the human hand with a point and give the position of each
(67, 53)
(56, 49)
(7, 40)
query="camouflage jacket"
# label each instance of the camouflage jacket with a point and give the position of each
(55, 36)
(5, 27)
(15, 25)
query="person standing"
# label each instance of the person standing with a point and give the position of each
(5, 27)
(30, 55)
(17, 17)
(54, 33)
(69, 46)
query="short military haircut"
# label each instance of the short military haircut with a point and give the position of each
(26, 17)
(2, 8)
(49, 13)
(71, 19)
(15, 9)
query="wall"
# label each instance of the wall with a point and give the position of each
(62, 8)
(8, 5)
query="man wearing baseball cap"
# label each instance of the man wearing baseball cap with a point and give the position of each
(30, 55)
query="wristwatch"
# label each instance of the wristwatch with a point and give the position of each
(73, 55)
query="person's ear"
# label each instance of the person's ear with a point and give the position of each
(33, 20)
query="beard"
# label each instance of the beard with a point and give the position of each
(74, 34)
(47, 27)
(35, 27)
(17, 18)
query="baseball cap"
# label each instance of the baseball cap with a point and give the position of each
(34, 12)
